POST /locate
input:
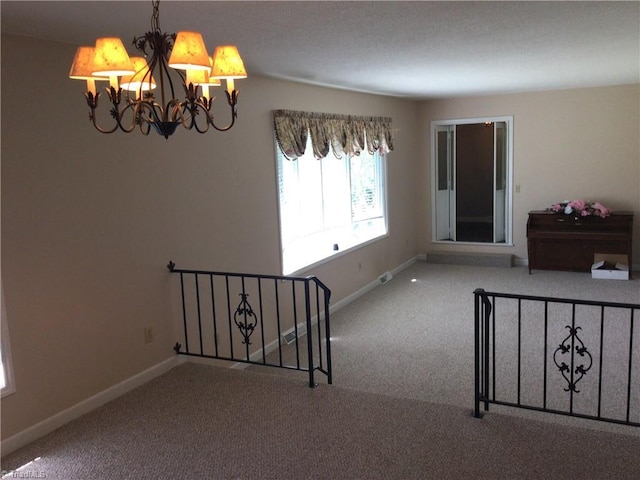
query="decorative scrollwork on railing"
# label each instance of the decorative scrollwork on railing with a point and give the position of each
(245, 318)
(573, 345)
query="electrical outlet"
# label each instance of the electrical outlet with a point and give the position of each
(148, 334)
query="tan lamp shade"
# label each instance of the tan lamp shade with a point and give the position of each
(197, 77)
(189, 52)
(111, 58)
(202, 77)
(141, 80)
(83, 64)
(227, 63)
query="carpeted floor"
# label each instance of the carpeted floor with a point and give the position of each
(208, 422)
(413, 336)
(400, 405)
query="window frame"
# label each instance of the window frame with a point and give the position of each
(345, 247)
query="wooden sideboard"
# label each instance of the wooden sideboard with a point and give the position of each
(556, 241)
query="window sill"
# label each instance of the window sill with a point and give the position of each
(306, 262)
(478, 244)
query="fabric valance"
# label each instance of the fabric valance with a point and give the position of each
(346, 134)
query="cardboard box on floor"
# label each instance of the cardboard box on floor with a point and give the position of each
(610, 266)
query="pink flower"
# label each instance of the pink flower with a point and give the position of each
(577, 204)
(557, 207)
(600, 210)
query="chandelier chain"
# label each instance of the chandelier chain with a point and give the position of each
(155, 18)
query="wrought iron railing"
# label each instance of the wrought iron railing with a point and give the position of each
(570, 357)
(270, 320)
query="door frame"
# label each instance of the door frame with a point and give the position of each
(508, 214)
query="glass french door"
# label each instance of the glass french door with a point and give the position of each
(445, 191)
(471, 191)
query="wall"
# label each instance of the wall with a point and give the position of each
(568, 144)
(90, 221)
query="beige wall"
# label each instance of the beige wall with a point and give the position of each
(89, 222)
(568, 144)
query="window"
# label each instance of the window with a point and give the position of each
(329, 205)
(471, 190)
(6, 371)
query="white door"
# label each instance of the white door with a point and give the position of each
(444, 175)
(499, 182)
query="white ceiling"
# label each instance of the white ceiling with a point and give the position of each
(417, 49)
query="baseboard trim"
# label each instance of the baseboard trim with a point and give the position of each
(472, 259)
(520, 262)
(367, 288)
(302, 327)
(56, 421)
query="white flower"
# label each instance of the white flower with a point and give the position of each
(568, 210)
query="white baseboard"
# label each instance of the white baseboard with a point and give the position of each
(302, 327)
(520, 262)
(367, 288)
(52, 423)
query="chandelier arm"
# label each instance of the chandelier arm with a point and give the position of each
(92, 117)
(232, 100)
(132, 106)
(115, 97)
(143, 130)
(204, 105)
(92, 102)
(192, 104)
(154, 115)
(161, 56)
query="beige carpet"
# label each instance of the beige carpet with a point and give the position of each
(413, 336)
(205, 422)
(400, 406)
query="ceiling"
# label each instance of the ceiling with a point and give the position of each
(417, 49)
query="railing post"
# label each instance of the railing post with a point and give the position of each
(476, 352)
(307, 307)
(327, 331)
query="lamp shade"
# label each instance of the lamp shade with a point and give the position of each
(227, 63)
(189, 52)
(202, 77)
(111, 58)
(141, 79)
(83, 64)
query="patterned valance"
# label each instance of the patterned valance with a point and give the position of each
(347, 134)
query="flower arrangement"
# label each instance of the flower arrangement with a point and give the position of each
(580, 208)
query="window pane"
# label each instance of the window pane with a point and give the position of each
(335, 190)
(309, 195)
(365, 187)
(328, 205)
(442, 151)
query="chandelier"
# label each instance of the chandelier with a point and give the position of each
(145, 96)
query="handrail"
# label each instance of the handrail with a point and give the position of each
(172, 268)
(570, 357)
(209, 316)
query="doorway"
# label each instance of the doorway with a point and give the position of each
(471, 188)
